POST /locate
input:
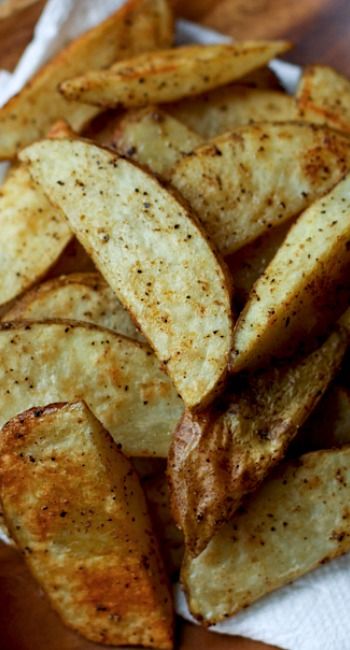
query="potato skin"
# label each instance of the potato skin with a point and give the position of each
(75, 507)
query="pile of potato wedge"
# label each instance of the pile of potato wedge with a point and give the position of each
(174, 291)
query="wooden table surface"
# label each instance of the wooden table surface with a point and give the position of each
(320, 30)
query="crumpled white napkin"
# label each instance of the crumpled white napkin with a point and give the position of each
(312, 613)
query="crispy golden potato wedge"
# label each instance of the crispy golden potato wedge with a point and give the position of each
(61, 129)
(286, 303)
(221, 454)
(153, 254)
(299, 519)
(323, 96)
(33, 234)
(139, 26)
(226, 108)
(170, 75)
(153, 138)
(118, 378)
(79, 296)
(247, 181)
(73, 259)
(77, 511)
(250, 262)
(170, 537)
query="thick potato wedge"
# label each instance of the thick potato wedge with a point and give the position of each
(286, 304)
(224, 452)
(79, 296)
(298, 520)
(77, 511)
(324, 96)
(152, 253)
(139, 26)
(226, 108)
(153, 138)
(170, 75)
(118, 378)
(251, 179)
(170, 537)
(33, 234)
(250, 262)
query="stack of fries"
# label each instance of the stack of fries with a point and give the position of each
(175, 256)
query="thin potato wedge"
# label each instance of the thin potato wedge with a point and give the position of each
(251, 179)
(298, 520)
(221, 454)
(153, 138)
(139, 26)
(250, 262)
(324, 96)
(170, 75)
(118, 378)
(79, 296)
(33, 234)
(76, 509)
(152, 253)
(170, 537)
(226, 108)
(286, 303)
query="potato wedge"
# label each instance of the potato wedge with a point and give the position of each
(33, 234)
(324, 96)
(118, 378)
(226, 108)
(170, 75)
(250, 262)
(287, 301)
(152, 254)
(221, 454)
(298, 520)
(77, 511)
(79, 296)
(255, 177)
(139, 26)
(153, 138)
(170, 537)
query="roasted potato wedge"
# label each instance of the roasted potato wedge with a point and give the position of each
(247, 181)
(79, 296)
(170, 537)
(33, 234)
(153, 138)
(76, 509)
(170, 75)
(139, 26)
(324, 96)
(118, 378)
(221, 454)
(298, 520)
(151, 251)
(226, 108)
(287, 301)
(250, 262)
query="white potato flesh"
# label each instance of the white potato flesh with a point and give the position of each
(170, 75)
(255, 177)
(33, 234)
(298, 520)
(283, 302)
(79, 296)
(119, 379)
(324, 96)
(152, 253)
